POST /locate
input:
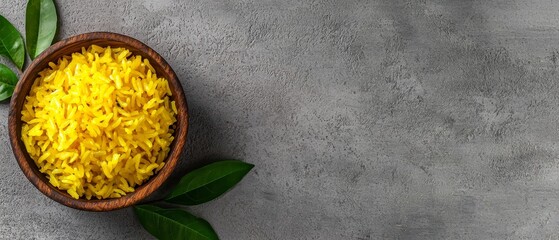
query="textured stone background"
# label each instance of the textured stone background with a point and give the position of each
(365, 119)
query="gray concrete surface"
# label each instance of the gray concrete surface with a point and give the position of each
(365, 119)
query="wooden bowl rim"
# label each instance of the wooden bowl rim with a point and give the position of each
(28, 166)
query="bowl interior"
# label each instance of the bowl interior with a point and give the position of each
(67, 47)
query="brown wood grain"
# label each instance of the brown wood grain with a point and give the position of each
(67, 47)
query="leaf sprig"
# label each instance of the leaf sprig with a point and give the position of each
(40, 25)
(199, 186)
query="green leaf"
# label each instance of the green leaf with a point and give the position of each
(209, 182)
(40, 25)
(8, 80)
(11, 43)
(173, 223)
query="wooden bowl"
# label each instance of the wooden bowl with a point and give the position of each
(67, 47)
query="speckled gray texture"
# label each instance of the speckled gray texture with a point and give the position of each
(365, 119)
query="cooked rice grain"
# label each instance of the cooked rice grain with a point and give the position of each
(99, 123)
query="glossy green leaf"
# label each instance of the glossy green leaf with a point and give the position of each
(8, 80)
(40, 25)
(11, 43)
(209, 182)
(173, 223)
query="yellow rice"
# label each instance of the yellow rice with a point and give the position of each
(99, 123)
